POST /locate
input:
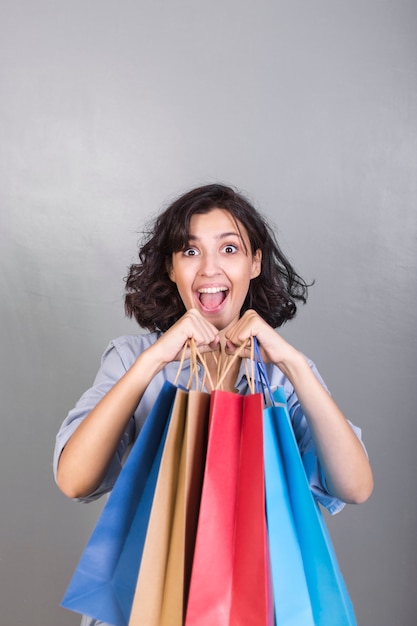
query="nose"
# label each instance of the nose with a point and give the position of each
(209, 265)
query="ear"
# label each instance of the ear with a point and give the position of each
(170, 270)
(256, 263)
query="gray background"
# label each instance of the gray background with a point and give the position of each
(108, 110)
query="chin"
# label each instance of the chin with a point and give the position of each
(222, 325)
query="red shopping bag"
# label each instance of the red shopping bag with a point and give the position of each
(252, 597)
(230, 574)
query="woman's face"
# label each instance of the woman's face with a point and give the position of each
(213, 271)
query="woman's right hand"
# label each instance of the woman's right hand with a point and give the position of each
(192, 325)
(86, 457)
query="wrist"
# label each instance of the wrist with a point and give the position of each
(150, 362)
(294, 366)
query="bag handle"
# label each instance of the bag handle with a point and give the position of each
(263, 381)
(255, 373)
(249, 375)
(195, 357)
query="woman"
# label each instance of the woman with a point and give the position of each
(210, 270)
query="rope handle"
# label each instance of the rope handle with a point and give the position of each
(255, 372)
(232, 360)
(195, 357)
(261, 381)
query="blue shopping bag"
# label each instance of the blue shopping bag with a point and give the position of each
(104, 582)
(291, 595)
(307, 582)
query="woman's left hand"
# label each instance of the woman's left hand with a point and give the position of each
(342, 457)
(273, 347)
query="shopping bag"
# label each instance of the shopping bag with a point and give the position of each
(308, 585)
(210, 593)
(164, 571)
(330, 602)
(229, 580)
(291, 595)
(104, 581)
(187, 506)
(252, 601)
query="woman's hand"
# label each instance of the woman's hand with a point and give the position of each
(86, 457)
(342, 457)
(273, 347)
(192, 325)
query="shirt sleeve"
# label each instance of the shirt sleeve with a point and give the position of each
(111, 370)
(312, 466)
(303, 435)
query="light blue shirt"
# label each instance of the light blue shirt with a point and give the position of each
(120, 356)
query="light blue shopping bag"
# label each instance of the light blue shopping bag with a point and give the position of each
(307, 582)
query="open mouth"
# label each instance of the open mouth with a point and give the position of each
(212, 297)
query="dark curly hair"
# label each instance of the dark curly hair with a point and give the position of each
(153, 299)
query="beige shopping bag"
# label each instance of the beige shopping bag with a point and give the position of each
(164, 574)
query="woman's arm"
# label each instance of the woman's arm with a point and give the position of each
(342, 457)
(343, 460)
(87, 455)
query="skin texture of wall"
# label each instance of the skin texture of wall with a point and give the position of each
(109, 110)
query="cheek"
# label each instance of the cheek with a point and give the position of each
(176, 272)
(182, 282)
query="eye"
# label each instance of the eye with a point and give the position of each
(190, 252)
(230, 248)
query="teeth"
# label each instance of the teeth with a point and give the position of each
(212, 289)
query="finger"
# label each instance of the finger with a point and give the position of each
(214, 345)
(242, 348)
